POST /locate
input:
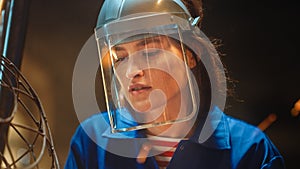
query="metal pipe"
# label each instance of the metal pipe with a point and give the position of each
(15, 14)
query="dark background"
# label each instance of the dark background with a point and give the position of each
(260, 43)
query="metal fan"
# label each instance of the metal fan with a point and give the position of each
(25, 138)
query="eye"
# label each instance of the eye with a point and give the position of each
(151, 52)
(119, 56)
(120, 59)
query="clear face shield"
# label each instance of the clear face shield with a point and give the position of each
(146, 76)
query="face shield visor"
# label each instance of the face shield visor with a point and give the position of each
(145, 72)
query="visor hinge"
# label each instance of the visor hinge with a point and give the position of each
(194, 22)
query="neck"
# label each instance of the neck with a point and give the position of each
(176, 109)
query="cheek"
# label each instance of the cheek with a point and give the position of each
(122, 83)
(120, 74)
(164, 81)
(175, 79)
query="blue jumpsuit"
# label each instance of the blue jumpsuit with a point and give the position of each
(234, 144)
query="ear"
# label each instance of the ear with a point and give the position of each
(191, 59)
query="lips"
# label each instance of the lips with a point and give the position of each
(138, 88)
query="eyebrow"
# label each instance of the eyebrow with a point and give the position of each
(148, 40)
(118, 48)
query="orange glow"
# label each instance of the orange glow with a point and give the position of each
(267, 121)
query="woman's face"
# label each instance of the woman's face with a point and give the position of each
(151, 72)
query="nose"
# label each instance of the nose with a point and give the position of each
(134, 71)
(134, 68)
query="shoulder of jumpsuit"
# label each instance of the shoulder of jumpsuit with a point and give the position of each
(99, 123)
(213, 130)
(245, 133)
(245, 137)
(221, 131)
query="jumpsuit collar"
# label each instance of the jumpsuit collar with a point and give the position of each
(212, 131)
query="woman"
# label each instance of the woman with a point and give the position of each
(165, 89)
